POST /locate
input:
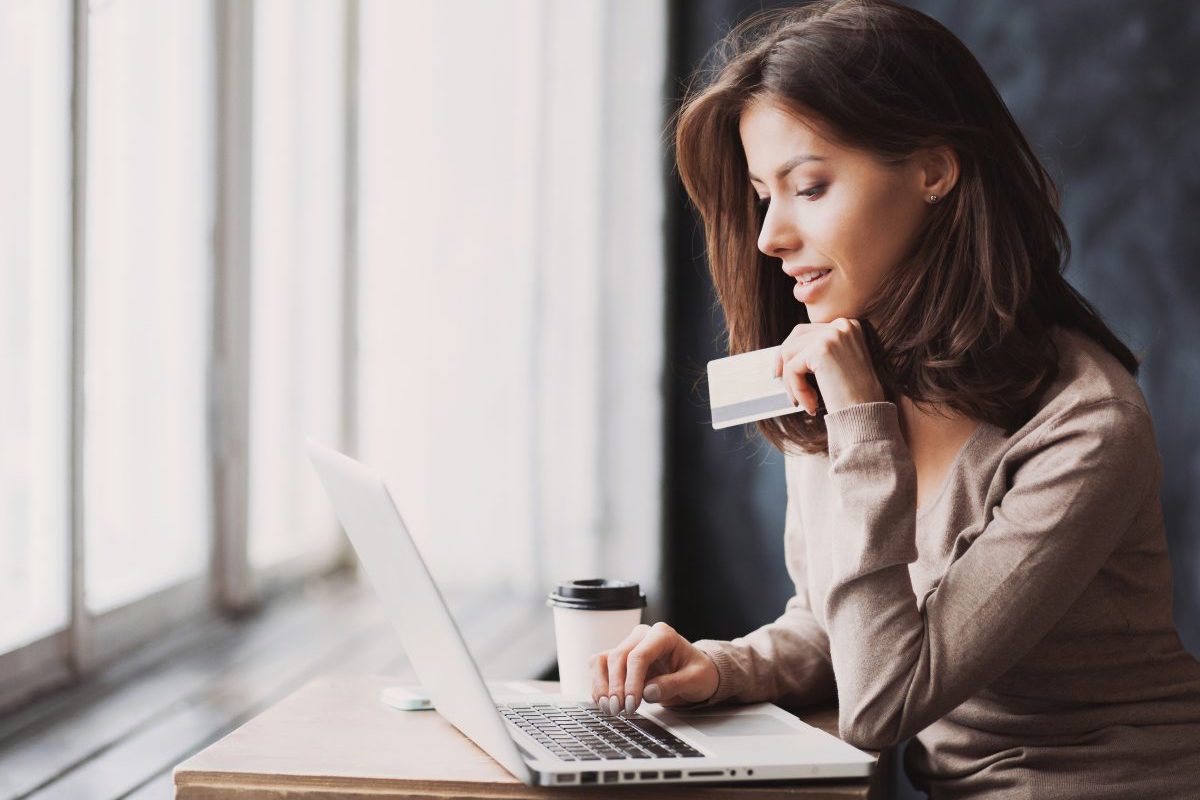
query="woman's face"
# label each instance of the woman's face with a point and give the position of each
(831, 208)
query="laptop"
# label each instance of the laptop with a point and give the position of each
(548, 739)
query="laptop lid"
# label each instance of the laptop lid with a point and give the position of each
(414, 605)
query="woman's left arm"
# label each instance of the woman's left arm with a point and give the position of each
(1069, 503)
(899, 669)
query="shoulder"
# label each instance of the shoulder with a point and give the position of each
(1093, 415)
(1091, 383)
(1088, 372)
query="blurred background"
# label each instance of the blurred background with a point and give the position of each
(446, 238)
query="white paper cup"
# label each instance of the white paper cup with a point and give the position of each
(590, 616)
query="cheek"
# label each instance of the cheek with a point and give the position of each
(842, 232)
(867, 240)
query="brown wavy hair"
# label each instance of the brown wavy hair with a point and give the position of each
(965, 319)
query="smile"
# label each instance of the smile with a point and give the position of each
(806, 289)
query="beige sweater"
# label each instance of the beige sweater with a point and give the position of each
(1020, 626)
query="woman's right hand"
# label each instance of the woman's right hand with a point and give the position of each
(655, 663)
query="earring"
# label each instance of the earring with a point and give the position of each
(933, 198)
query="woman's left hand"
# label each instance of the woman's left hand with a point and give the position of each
(836, 354)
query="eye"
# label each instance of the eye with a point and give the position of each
(812, 192)
(761, 203)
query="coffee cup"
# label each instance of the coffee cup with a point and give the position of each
(591, 616)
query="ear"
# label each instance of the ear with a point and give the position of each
(938, 170)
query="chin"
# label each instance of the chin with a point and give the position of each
(823, 312)
(818, 314)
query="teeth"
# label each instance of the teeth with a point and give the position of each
(809, 277)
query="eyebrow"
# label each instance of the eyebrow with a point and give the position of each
(790, 165)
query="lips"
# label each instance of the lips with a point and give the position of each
(804, 292)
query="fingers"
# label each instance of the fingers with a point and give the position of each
(654, 664)
(666, 689)
(838, 351)
(677, 688)
(608, 672)
(599, 670)
(616, 678)
(789, 351)
(781, 363)
(789, 347)
(654, 649)
(798, 386)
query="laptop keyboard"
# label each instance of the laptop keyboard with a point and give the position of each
(579, 733)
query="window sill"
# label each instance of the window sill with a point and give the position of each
(121, 733)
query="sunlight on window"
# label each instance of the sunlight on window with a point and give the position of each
(297, 250)
(447, 198)
(35, 307)
(147, 330)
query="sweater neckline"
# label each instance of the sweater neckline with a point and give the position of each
(950, 473)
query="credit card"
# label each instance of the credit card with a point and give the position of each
(743, 388)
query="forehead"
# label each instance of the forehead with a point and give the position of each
(771, 135)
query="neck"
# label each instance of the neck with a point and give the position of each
(929, 422)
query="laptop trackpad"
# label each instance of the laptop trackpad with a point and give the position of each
(737, 724)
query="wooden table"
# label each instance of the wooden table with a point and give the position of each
(333, 739)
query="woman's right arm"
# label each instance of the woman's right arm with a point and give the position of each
(784, 661)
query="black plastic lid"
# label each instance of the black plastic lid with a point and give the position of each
(597, 594)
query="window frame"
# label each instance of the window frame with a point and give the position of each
(625, 499)
(229, 585)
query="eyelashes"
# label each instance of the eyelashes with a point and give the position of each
(811, 193)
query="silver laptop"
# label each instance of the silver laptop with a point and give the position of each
(548, 739)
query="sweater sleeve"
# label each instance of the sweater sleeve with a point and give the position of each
(785, 661)
(899, 668)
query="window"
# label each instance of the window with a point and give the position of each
(297, 252)
(35, 312)
(114, 492)
(226, 227)
(448, 277)
(511, 276)
(148, 223)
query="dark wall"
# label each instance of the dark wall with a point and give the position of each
(725, 497)
(1107, 93)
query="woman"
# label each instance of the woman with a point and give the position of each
(973, 523)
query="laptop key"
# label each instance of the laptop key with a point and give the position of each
(582, 734)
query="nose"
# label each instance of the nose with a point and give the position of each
(778, 235)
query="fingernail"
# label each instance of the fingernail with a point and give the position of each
(615, 705)
(604, 706)
(652, 693)
(628, 704)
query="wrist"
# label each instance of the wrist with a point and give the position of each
(710, 672)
